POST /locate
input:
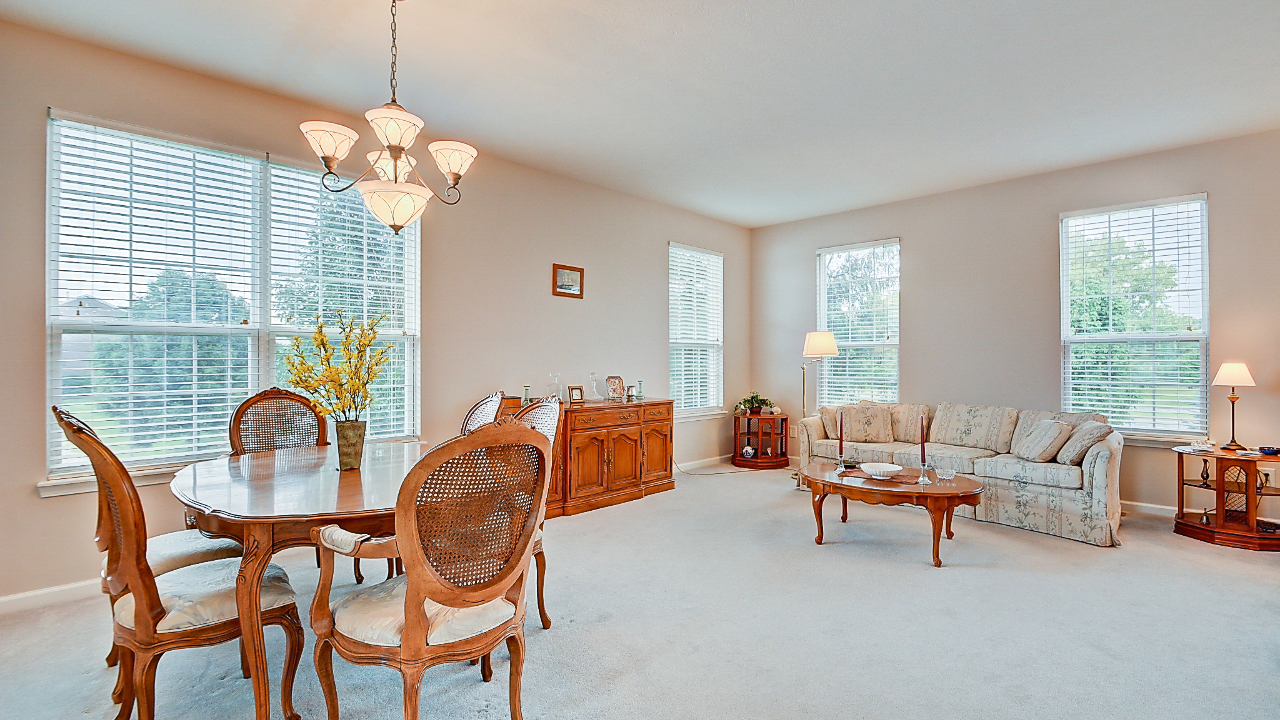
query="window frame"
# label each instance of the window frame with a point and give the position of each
(1068, 338)
(821, 254)
(717, 380)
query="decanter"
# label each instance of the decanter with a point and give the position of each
(553, 387)
(593, 392)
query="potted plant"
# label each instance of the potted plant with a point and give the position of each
(341, 390)
(752, 404)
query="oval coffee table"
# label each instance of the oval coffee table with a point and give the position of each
(940, 498)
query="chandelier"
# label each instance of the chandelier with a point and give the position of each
(398, 195)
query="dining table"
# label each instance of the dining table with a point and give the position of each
(270, 501)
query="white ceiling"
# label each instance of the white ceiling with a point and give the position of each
(750, 111)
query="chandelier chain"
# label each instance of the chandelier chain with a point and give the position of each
(393, 51)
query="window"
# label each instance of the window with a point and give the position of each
(858, 289)
(696, 285)
(178, 275)
(1135, 316)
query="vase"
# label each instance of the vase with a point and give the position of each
(755, 411)
(350, 443)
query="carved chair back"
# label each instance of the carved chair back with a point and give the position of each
(542, 415)
(465, 520)
(482, 413)
(125, 528)
(275, 419)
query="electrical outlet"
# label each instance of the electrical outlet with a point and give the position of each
(792, 431)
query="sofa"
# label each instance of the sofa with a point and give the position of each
(1075, 497)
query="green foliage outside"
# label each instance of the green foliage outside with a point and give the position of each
(861, 305)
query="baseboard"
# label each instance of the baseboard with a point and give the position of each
(1164, 510)
(695, 464)
(50, 596)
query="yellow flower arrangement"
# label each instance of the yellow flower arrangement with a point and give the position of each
(339, 390)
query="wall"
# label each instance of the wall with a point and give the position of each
(489, 318)
(980, 287)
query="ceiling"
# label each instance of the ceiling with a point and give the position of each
(751, 111)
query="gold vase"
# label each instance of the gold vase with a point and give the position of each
(350, 443)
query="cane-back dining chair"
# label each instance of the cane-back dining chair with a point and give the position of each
(193, 606)
(482, 413)
(465, 519)
(275, 419)
(542, 415)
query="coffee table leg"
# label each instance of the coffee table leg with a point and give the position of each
(844, 509)
(937, 517)
(950, 511)
(818, 498)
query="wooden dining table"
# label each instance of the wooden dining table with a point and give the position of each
(269, 501)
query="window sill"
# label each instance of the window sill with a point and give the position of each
(1157, 441)
(684, 416)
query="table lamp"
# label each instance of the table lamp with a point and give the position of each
(1233, 375)
(817, 346)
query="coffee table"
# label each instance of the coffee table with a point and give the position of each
(940, 498)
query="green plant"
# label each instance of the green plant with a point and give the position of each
(751, 402)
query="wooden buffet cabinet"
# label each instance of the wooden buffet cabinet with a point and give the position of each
(609, 453)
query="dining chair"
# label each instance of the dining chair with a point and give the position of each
(482, 413)
(465, 519)
(275, 419)
(193, 606)
(542, 415)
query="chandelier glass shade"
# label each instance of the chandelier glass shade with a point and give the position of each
(399, 195)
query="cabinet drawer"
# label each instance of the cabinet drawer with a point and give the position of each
(605, 418)
(662, 412)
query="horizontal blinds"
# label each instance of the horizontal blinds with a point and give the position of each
(858, 303)
(696, 318)
(1135, 317)
(859, 373)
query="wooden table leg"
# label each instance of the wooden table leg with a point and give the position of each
(257, 555)
(818, 498)
(950, 511)
(936, 516)
(844, 509)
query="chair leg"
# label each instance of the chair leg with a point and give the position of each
(294, 639)
(359, 575)
(125, 683)
(317, 557)
(515, 645)
(412, 676)
(391, 568)
(123, 678)
(244, 661)
(486, 667)
(399, 566)
(113, 657)
(144, 685)
(541, 559)
(324, 671)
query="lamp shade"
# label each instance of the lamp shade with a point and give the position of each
(820, 344)
(394, 126)
(452, 157)
(384, 166)
(329, 139)
(396, 204)
(1234, 375)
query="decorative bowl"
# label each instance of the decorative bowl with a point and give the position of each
(881, 471)
(1268, 450)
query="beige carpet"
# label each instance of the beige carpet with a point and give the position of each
(712, 601)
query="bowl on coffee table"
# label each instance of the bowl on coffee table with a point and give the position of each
(881, 471)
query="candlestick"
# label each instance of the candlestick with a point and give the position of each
(922, 439)
(840, 452)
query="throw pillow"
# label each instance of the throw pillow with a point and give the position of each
(1085, 436)
(977, 426)
(1028, 418)
(867, 423)
(906, 420)
(1043, 441)
(828, 414)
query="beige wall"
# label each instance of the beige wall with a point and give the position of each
(979, 303)
(489, 318)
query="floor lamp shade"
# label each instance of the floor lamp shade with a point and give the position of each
(820, 344)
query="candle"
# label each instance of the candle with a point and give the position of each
(922, 441)
(840, 452)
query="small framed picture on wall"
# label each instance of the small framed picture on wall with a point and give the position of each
(566, 281)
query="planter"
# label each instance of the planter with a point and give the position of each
(350, 443)
(755, 411)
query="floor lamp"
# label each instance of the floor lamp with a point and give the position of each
(818, 345)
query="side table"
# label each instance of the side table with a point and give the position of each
(1237, 488)
(766, 435)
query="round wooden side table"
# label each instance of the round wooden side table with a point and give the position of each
(766, 435)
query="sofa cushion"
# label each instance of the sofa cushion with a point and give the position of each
(1047, 474)
(944, 457)
(975, 426)
(1085, 436)
(859, 452)
(1043, 442)
(906, 420)
(862, 423)
(1028, 418)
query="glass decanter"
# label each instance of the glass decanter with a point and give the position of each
(553, 387)
(593, 392)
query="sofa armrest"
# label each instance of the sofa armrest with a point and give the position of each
(1101, 468)
(809, 429)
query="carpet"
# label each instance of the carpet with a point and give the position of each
(712, 601)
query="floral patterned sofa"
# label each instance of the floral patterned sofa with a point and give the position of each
(1075, 497)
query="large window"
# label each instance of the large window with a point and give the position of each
(696, 287)
(1135, 316)
(178, 275)
(858, 302)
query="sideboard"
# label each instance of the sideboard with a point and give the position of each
(609, 453)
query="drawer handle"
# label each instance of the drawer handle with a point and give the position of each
(627, 416)
(586, 420)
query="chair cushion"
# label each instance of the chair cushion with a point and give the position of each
(375, 615)
(168, 552)
(976, 426)
(858, 452)
(906, 420)
(943, 457)
(205, 594)
(1028, 418)
(1085, 436)
(1043, 441)
(1047, 474)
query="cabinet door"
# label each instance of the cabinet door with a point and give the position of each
(624, 458)
(587, 453)
(657, 452)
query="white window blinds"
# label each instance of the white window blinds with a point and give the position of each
(858, 302)
(1135, 309)
(696, 293)
(164, 263)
